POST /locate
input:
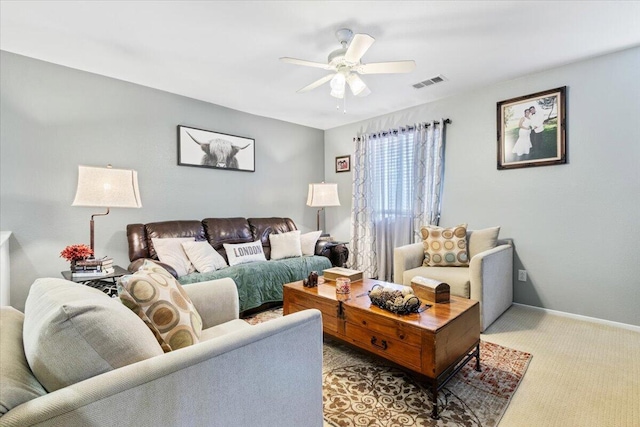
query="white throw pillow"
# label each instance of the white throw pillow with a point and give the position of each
(243, 253)
(203, 256)
(482, 240)
(308, 242)
(170, 252)
(285, 245)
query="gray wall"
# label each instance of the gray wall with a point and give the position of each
(54, 118)
(575, 226)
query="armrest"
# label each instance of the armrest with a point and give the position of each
(405, 258)
(216, 300)
(210, 383)
(338, 253)
(491, 282)
(135, 266)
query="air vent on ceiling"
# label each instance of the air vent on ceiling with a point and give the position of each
(429, 82)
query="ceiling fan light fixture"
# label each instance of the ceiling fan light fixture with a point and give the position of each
(337, 93)
(357, 86)
(337, 85)
(346, 63)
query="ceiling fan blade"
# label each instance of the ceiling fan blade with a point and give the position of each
(387, 67)
(306, 63)
(358, 47)
(317, 83)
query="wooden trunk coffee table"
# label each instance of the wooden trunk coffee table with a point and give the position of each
(435, 343)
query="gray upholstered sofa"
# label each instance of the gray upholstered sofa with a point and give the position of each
(79, 358)
(258, 282)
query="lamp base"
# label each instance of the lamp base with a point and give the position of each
(91, 228)
(318, 219)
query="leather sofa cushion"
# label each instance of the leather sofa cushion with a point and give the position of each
(226, 230)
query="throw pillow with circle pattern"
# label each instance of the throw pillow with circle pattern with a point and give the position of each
(159, 300)
(445, 247)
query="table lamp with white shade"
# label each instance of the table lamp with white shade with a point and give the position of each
(106, 188)
(322, 195)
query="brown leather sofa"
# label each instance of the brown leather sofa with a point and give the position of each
(218, 231)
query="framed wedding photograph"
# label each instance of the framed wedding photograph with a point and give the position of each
(532, 130)
(343, 164)
(208, 149)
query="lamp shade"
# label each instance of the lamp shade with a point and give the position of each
(321, 195)
(107, 187)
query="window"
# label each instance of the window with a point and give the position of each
(393, 183)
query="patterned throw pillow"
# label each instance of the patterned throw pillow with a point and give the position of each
(445, 247)
(159, 300)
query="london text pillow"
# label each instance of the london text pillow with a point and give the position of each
(445, 247)
(285, 245)
(243, 253)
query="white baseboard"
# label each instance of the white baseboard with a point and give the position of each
(585, 318)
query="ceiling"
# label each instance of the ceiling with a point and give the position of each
(227, 53)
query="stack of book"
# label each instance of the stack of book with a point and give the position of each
(107, 265)
(92, 267)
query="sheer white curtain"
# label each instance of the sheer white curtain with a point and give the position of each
(397, 179)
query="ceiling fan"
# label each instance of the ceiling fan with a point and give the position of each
(347, 65)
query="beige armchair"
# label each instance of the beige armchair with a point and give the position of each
(488, 279)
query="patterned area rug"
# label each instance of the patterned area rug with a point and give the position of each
(362, 390)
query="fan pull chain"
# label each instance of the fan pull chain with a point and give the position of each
(344, 103)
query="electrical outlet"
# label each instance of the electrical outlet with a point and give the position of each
(522, 275)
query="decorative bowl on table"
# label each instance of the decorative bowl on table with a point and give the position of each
(399, 301)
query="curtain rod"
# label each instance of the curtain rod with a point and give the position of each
(403, 129)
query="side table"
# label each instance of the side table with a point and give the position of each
(106, 284)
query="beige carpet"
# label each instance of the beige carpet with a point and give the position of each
(582, 373)
(361, 390)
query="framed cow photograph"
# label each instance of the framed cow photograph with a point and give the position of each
(207, 149)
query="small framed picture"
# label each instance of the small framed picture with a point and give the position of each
(208, 149)
(343, 164)
(531, 130)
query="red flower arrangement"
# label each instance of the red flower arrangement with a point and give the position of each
(76, 252)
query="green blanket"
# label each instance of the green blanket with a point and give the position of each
(260, 282)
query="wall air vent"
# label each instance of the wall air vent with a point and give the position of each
(429, 82)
